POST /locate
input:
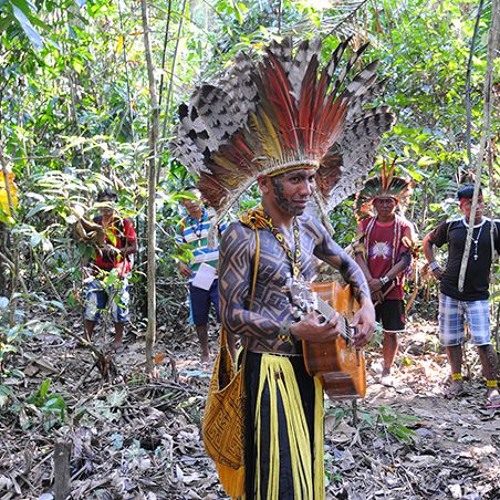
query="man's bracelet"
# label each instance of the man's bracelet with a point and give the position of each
(384, 280)
(285, 334)
(433, 265)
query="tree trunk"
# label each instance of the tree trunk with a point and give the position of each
(151, 229)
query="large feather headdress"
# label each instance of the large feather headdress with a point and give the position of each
(386, 185)
(283, 112)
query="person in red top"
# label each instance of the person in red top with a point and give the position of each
(384, 254)
(115, 254)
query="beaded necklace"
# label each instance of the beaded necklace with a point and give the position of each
(476, 239)
(295, 256)
(257, 219)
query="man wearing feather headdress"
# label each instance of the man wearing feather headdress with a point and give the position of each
(301, 130)
(284, 432)
(384, 252)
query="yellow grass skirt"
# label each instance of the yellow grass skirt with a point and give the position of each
(277, 376)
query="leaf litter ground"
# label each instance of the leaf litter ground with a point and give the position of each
(136, 437)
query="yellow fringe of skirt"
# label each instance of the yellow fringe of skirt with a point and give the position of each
(278, 375)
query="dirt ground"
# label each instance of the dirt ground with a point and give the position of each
(134, 437)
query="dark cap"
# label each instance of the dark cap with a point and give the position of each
(107, 193)
(466, 192)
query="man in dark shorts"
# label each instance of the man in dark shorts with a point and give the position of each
(471, 305)
(385, 254)
(192, 234)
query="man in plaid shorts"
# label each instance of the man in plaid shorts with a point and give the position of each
(470, 305)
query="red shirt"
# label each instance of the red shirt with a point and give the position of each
(117, 234)
(384, 246)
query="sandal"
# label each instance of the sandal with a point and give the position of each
(493, 401)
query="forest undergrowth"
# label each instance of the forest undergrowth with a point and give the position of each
(135, 437)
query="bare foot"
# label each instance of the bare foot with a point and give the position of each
(455, 389)
(118, 347)
(205, 358)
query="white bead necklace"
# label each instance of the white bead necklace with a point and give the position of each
(475, 240)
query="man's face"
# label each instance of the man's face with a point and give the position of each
(192, 206)
(292, 190)
(107, 205)
(466, 207)
(385, 205)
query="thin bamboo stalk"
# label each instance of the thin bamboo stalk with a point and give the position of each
(151, 224)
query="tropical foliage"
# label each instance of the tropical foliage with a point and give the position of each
(74, 106)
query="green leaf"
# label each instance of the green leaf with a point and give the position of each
(34, 37)
(425, 161)
(55, 403)
(35, 240)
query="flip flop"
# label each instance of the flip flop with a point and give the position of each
(493, 403)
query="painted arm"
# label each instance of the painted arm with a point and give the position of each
(364, 318)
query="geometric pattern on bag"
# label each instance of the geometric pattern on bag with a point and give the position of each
(224, 419)
(223, 425)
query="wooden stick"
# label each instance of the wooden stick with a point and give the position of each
(385, 293)
(62, 479)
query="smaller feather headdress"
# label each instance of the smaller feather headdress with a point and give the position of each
(386, 185)
(283, 112)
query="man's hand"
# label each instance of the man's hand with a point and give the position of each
(110, 252)
(184, 270)
(437, 273)
(364, 322)
(314, 327)
(375, 285)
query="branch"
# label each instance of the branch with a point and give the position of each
(153, 153)
(493, 43)
(468, 104)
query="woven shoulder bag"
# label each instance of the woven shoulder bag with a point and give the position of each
(223, 426)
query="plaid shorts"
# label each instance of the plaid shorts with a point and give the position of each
(453, 314)
(114, 298)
